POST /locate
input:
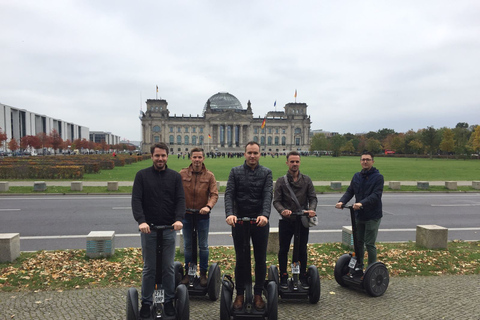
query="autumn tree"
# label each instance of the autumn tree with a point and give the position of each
(44, 140)
(56, 140)
(374, 146)
(348, 147)
(318, 142)
(3, 138)
(416, 145)
(448, 144)
(430, 140)
(336, 143)
(474, 141)
(13, 145)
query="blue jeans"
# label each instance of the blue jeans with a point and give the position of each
(149, 244)
(203, 226)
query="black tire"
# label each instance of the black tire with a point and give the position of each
(376, 279)
(314, 281)
(178, 272)
(214, 282)
(341, 269)
(226, 299)
(272, 301)
(273, 274)
(182, 303)
(132, 304)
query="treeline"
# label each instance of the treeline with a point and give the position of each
(54, 142)
(461, 141)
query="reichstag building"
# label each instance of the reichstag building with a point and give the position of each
(226, 126)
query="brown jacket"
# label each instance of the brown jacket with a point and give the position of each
(200, 188)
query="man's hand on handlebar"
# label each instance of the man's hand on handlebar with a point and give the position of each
(262, 221)
(178, 225)
(231, 220)
(286, 213)
(311, 213)
(144, 227)
(205, 210)
(339, 205)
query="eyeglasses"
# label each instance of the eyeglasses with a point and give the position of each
(366, 160)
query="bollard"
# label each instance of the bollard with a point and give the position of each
(336, 185)
(347, 236)
(451, 185)
(100, 244)
(423, 185)
(431, 237)
(476, 185)
(4, 186)
(76, 186)
(394, 185)
(39, 186)
(112, 185)
(9, 246)
(273, 242)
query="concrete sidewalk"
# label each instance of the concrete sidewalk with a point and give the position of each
(434, 297)
(222, 183)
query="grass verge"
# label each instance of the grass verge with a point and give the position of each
(71, 269)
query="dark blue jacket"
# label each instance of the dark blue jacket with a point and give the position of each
(367, 187)
(249, 192)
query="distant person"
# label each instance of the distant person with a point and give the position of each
(200, 193)
(367, 187)
(158, 198)
(249, 194)
(304, 191)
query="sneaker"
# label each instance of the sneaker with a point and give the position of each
(358, 272)
(169, 309)
(145, 311)
(304, 282)
(284, 281)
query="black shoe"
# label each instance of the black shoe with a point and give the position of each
(304, 282)
(284, 281)
(358, 272)
(169, 309)
(145, 311)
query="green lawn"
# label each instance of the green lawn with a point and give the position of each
(322, 168)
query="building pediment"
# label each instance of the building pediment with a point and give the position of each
(230, 115)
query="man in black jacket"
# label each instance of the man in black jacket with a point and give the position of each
(302, 187)
(249, 194)
(367, 187)
(158, 198)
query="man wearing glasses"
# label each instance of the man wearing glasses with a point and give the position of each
(367, 187)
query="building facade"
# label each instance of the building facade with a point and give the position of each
(108, 137)
(18, 123)
(225, 126)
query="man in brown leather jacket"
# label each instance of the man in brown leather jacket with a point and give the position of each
(201, 193)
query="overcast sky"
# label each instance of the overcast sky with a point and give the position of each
(359, 65)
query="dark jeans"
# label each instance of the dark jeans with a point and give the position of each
(286, 230)
(243, 270)
(366, 236)
(202, 230)
(149, 245)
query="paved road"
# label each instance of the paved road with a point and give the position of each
(442, 297)
(62, 221)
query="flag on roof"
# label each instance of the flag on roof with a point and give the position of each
(263, 123)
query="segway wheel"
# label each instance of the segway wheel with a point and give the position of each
(182, 305)
(132, 304)
(226, 298)
(178, 272)
(314, 281)
(341, 269)
(376, 279)
(272, 301)
(214, 282)
(273, 274)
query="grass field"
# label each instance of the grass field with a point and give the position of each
(322, 168)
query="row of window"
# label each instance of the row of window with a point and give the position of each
(200, 140)
(255, 130)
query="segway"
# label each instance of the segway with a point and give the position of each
(375, 279)
(213, 280)
(270, 291)
(295, 290)
(181, 301)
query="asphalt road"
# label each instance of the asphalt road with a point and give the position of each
(63, 221)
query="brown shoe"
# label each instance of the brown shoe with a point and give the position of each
(258, 302)
(203, 278)
(185, 280)
(238, 303)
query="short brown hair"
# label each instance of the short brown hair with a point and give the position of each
(292, 153)
(251, 143)
(197, 149)
(160, 145)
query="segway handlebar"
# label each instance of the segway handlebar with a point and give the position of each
(246, 219)
(163, 227)
(193, 210)
(299, 213)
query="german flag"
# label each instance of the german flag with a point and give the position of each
(209, 137)
(263, 123)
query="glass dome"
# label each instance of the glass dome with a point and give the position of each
(223, 101)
